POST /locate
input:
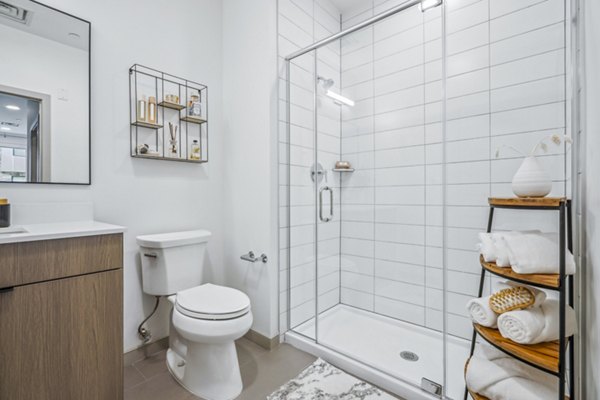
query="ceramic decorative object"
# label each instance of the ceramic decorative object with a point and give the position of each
(531, 180)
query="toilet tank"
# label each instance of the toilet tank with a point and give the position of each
(172, 261)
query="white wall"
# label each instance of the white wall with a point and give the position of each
(250, 137)
(146, 196)
(591, 127)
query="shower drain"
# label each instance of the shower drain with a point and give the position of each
(409, 356)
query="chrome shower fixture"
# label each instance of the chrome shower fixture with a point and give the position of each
(427, 4)
(327, 84)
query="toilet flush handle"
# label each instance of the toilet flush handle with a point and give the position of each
(151, 255)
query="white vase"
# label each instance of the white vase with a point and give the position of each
(531, 180)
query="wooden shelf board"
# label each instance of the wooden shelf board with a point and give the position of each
(547, 281)
(526, 202)
(146, 125)
(172, 106)
(169, 159)
(193, 120)
(542, 355)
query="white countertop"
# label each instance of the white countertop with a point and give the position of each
(61, 230)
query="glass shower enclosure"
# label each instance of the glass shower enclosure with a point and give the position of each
(391, 130)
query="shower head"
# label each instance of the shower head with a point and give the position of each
(326, 83)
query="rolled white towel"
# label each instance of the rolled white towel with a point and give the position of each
(535, 253)
(480, 311)
(498, 376)
(538, 324)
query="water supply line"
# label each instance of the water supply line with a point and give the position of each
(144, 333)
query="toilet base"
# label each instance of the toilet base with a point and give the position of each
(214, 370)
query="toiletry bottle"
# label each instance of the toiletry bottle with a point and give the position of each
(141, 109)
(194, 106)
(4, 213)
(195, 150)
(152, 110)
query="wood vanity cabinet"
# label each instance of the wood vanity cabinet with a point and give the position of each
(61, 319)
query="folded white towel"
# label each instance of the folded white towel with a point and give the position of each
(498, 376)
(493, 248)
(481, 313)
(487, 246)
(536, 253)
(536, 325)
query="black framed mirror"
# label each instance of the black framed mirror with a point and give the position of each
(45, 128)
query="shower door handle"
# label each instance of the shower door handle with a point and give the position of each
(330, 217)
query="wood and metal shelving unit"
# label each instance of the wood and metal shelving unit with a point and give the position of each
(550, 357)
(145, 81)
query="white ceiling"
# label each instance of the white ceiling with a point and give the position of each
(13, 116)
(50, 24)
(345, 6)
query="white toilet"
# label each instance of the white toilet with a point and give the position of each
(206, 318)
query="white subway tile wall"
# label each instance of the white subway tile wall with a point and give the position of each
(384, 251)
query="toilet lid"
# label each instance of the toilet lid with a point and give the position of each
(212, 302)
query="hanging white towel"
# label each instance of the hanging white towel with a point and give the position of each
(536, 325)
(536, 253)
(493, 374)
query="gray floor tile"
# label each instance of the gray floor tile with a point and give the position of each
(132, 377)
(160, 387)
(153, 365)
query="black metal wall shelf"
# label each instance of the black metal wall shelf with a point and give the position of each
(172, 94)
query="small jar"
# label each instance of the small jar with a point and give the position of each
(195, 150)
(4, 213)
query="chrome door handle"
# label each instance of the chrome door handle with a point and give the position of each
(330, 217)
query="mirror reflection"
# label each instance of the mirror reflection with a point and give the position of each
(44, 95)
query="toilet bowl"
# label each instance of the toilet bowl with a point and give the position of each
(206, 319)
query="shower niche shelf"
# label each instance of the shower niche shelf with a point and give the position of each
(343, 170)
(156, 141)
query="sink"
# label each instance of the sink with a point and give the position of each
(12, 230)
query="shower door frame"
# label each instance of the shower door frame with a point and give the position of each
(314, 48)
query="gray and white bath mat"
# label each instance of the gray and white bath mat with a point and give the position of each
(323, 381)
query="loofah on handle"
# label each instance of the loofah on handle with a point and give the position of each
(515, 298)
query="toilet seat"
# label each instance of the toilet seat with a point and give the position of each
(212, 302)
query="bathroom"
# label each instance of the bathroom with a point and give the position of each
(373, 280)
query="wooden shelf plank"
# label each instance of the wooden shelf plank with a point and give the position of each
(547, 281)
(172, 106)
(169, 159)
(146, 125)
(525, 202)
(542, 355)
(193, 120)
